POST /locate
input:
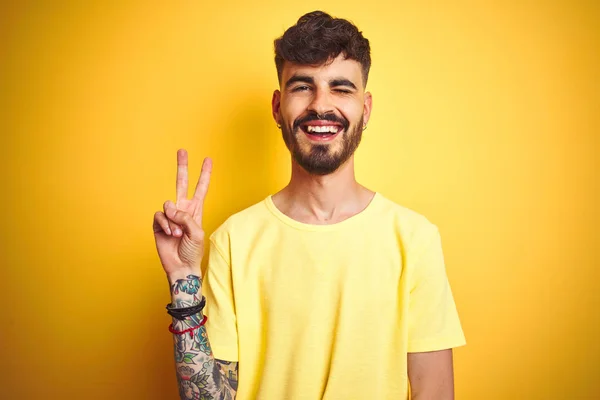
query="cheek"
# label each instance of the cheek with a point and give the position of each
(292, 108)
(352, 111)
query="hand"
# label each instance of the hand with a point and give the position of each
(178, 228)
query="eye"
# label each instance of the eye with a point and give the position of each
(343, 91)
(302, 88)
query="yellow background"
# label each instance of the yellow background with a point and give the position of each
(485, 120)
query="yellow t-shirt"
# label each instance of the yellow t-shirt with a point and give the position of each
(327, 311)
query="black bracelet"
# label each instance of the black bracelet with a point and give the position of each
(183, 313)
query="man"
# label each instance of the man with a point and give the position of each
(324, 290)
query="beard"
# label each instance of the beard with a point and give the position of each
(322, 159)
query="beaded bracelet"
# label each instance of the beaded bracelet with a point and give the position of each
(188, 330)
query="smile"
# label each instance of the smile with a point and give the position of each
(321, 132)
(322, 129)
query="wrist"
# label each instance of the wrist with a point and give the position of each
(185, 290)
(187, 311)
(182, 273)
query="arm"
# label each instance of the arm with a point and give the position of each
(199, 374)
(431, 375)
(180, 244)
(434, 326)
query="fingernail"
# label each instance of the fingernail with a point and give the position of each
(168, 231)
(177, 231)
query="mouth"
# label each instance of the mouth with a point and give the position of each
(321, 131)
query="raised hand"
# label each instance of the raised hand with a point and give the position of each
(178, 228)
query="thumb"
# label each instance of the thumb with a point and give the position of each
(187, 223)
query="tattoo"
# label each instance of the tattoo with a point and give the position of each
(230, 371)
(190, 285)
(199, 375)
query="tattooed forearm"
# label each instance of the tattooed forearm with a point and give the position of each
(199, 375)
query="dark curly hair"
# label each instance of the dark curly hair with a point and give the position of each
(318, 38)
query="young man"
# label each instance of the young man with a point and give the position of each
(324, 290)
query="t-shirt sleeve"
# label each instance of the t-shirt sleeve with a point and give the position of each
(433, 322)
(217, 287)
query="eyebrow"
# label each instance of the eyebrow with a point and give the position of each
(342, 82)
(308, 79)
(299, 78)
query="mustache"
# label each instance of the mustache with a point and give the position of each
(313, 116)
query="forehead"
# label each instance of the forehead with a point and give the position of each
(333, 69)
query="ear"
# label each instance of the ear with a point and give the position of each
(368, 105)
(275, 106)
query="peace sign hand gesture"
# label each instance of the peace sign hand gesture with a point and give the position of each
(178, 228)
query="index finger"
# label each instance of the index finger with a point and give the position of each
(182, 176)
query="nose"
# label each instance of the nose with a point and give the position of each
(321, 102)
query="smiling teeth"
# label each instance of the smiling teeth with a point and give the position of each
(322, 129)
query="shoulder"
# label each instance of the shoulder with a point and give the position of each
(413, 229)
(409, 223)
(248, 218)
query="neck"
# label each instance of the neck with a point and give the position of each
(323, 199)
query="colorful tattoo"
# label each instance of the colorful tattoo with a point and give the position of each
(190, 285)
(199, 375)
